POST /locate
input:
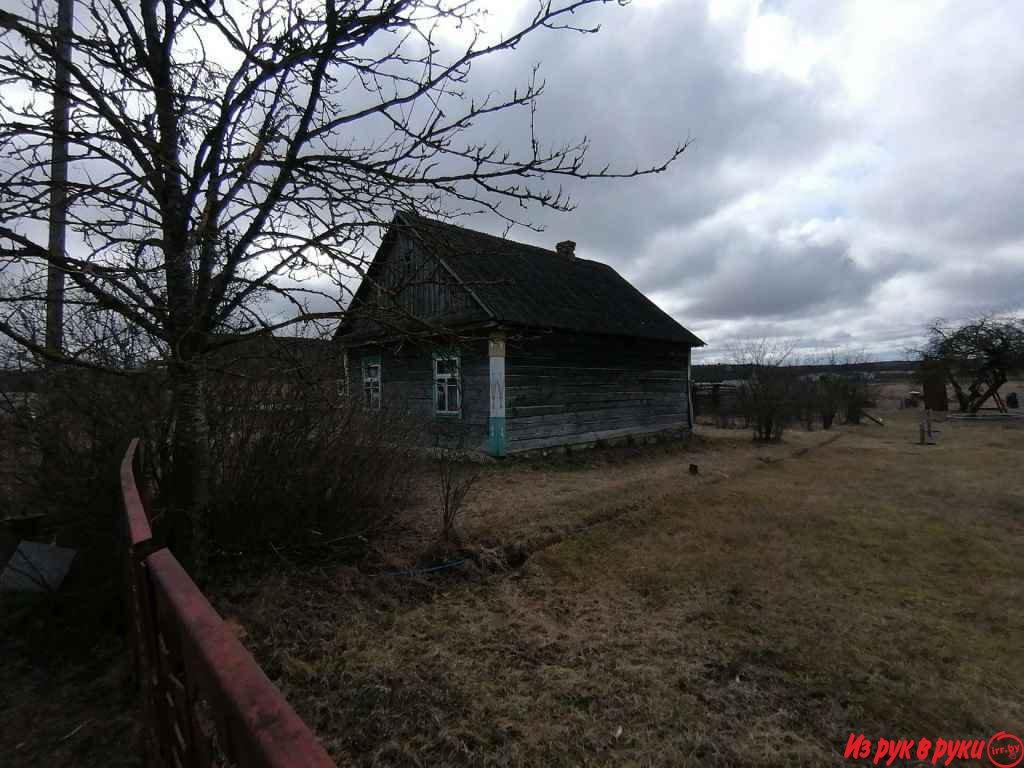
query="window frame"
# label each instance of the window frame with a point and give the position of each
(369, 361)
(448, 378)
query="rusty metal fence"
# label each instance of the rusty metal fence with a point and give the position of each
(205, 700)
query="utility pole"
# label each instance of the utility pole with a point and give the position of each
(59, 179)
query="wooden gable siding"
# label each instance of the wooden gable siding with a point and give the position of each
(412, 282)
(407, 384)
(563, 389)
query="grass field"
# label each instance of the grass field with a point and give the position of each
(754, 614)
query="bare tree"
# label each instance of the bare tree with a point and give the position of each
(977, 357)
(221, 151)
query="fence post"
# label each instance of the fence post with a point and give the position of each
(205, 700)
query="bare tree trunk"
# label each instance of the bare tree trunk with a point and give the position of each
(59, 180)
(190, 482)
(961, 398)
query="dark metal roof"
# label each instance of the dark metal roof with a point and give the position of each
(523, 285)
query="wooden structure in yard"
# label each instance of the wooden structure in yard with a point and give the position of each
(517, 347)
(715, 398)
(205, 700)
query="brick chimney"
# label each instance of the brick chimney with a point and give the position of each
(566, 248)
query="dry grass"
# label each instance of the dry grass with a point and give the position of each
(64, 689)
(753, 615)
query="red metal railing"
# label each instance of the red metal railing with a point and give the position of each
(205, 700)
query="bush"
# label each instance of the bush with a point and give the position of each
(297, 463)
(768, 398)
(294, 461)
(857, 397)
(456, 476)
(805, 401)
(831, 394)
(61, 446)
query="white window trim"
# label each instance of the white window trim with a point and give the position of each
(367, 381)
(447, 378)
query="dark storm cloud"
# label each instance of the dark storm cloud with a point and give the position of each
(652, 79)
(779, 281)
(848, 200)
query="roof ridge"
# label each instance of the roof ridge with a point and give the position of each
(522, 284)
(505, 240)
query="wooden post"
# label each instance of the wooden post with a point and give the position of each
(59, 180)
(496, 423)
(926, 434)
(689, 389)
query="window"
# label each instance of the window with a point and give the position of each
(371, 382)
(447, 389)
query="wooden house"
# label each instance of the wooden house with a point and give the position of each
(518, 347)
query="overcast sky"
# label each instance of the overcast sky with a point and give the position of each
(856, 171)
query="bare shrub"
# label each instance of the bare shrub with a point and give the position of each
(831, 394)
(842, 389)
(805, 401)
(767, 395)
(297, 462)
(60, 448)
(857, 396)
(456, 476)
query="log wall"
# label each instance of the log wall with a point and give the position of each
(565, 389)
(407, 383)
(560, 388)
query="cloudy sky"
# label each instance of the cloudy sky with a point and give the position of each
(856, 169)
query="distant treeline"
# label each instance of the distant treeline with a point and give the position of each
(730, 372)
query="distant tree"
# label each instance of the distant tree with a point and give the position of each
(220, 152)
(830, 394)
(805, 398)
(977, 357)
(841, 389)
(856, 397)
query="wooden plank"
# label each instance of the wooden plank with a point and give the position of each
(271, 734)
(572, 389)
(519, 446)
(557, 432)
(139, 532)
